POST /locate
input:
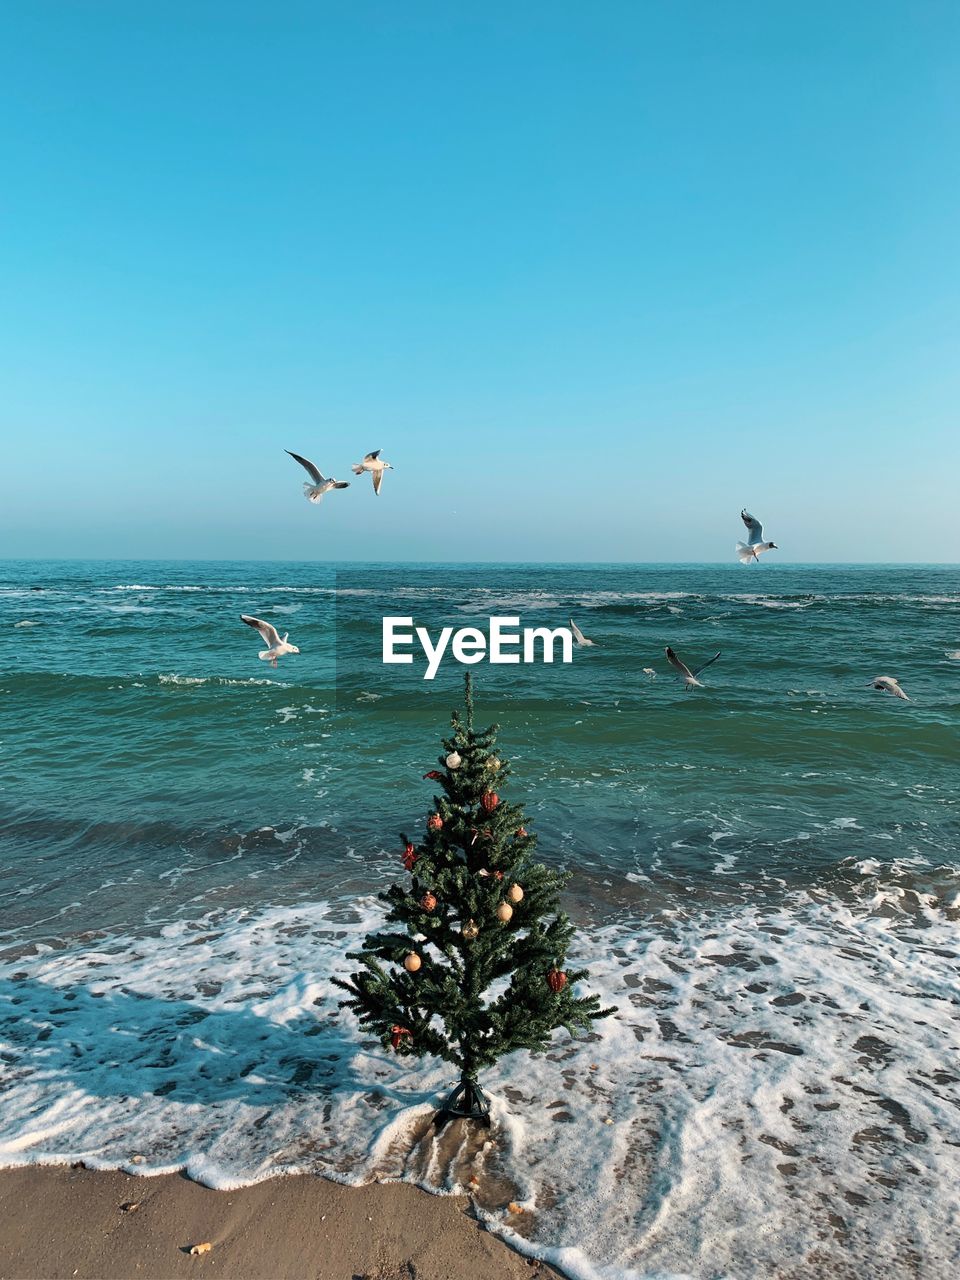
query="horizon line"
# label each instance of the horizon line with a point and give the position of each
(812, 564)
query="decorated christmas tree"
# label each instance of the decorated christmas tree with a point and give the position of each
(471, 964)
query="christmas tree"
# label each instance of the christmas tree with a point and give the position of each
(471, 965)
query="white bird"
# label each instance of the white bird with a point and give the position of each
(888, 684)
(749, 551)
(271, 637)
(649, 671)
(688, 677)
(372, 463)
(314, 492)
(578, 635)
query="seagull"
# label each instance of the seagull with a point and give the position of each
(372, 463)
(649, 671)
(689, 677)
(887, 684)
(749, 552)
(314, 492)
(271, 637)
(578, 635)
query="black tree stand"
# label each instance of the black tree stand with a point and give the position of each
(466, 1102)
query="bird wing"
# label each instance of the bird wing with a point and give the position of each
(891, 685)
(372, 457)
(707, 664)
(754, 527)
(577, 633)
(675, 662)
(307, 466)
(377, 478)
(266, 629)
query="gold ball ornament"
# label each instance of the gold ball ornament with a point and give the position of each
(453, 760)
(412, 962)
(493, 762)
(505, 912)
(515, 894)
(429, 901)
(470, 930)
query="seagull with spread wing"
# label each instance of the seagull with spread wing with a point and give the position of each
(749, 552)
(314, 492)
(688, 677)
(373, 463)
(277, 647)
(578, 635)
(888, 684)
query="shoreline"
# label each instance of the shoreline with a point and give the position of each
(60, 1222)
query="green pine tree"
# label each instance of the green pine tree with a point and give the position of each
(471, 964)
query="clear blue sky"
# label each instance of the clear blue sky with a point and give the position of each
(592, 275)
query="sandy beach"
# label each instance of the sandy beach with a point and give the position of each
(77, 1224)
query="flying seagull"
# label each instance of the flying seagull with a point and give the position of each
(887, 684)
(271, 637)
(578, 635)
(749, 551)
(314, 492)
(375, 466)
(688, 677)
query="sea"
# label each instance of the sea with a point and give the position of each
(765, 879)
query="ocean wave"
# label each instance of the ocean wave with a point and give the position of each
(210, 588)
(773, 602)
(191, 681)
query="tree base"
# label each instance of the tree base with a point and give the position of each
(466, 1102)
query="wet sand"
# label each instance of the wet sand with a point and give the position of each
(70, 1223)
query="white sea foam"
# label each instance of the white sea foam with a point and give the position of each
(508, 602)
(142, 586)
(778, 1081)
(191, 681)
(251, 680)
(770, 602)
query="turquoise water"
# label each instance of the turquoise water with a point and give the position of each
(784, 835)
(139, 724)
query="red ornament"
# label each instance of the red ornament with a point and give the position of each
(556, 980)
(498, 875)
(489, 800)
(428, 901)
(434, 822)
(521, 831)
(409, 857)
(434, 775)
(397, 1033)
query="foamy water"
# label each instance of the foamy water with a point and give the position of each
(777, 1090)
